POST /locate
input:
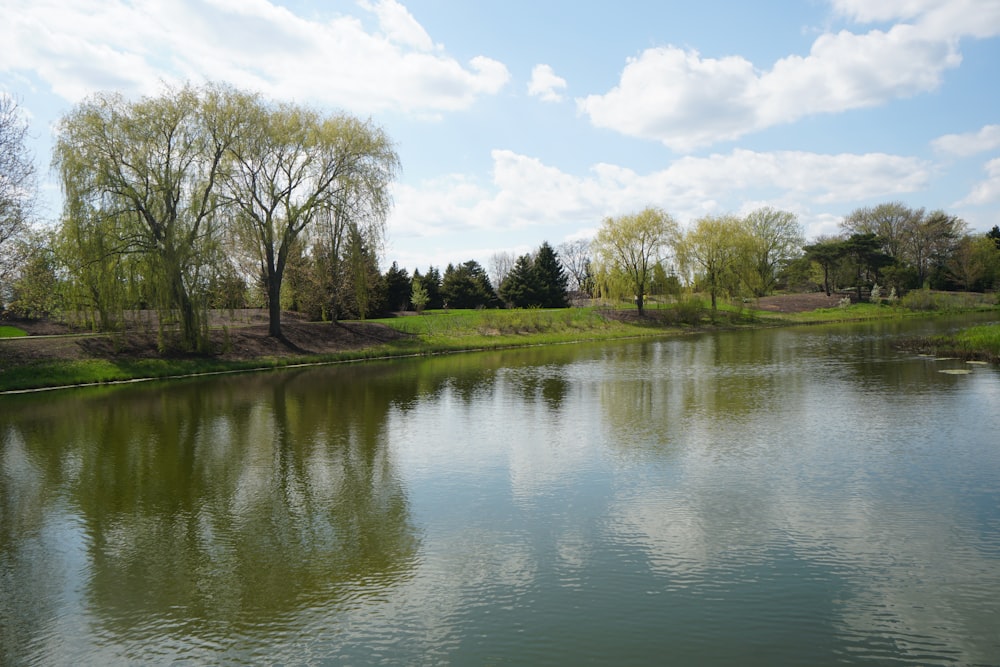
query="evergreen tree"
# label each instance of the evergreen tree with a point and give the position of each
(550, 279)
(995, 235)
(397, 288)
(431, 282)
(467, 286)
(519, 287)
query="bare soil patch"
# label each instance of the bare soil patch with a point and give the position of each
(234, 336)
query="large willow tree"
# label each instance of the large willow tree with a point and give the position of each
(152, 167)
(173, 179)
(292, 171)
(627, 247)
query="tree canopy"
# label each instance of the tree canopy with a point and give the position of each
(173, 179)
(629, 245)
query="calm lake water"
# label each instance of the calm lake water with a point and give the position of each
(803, 496)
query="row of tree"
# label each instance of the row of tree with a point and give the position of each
(890, 244)
(172, 199)
(212, 197)
(721, 254)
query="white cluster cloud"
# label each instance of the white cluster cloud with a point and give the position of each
(525, 192)
(545, 84)
(77, 48)
(685, 100)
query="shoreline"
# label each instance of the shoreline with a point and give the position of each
(81, 360)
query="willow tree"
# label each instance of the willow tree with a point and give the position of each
(293, 171)
(713, 249)
(630, 245)
(154, 165)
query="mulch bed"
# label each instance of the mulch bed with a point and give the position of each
(240, 340)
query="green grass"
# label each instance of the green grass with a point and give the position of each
(489, 323)
(979, 342)
(11, 332)
(437, 332)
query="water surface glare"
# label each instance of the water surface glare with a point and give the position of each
(783, 497)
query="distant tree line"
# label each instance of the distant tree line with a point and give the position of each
(214, 198)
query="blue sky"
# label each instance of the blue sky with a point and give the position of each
(520, 122)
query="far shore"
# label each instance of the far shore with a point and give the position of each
(45, 354)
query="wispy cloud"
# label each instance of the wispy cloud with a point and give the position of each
(969, 143)
(986, 191)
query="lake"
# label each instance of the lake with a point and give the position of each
(789, 496)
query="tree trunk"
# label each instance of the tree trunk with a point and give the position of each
(274, 306)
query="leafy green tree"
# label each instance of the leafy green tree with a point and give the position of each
(550, 278)
(975, 263)
(418, 296)
(431, 283)
(288, 165)
(467, 286)
(994, 234)
(630, 245)
(774, 239)
(827, 254)
(154, 165)
(864, 253)
(397, 288)
(35, 289)
(360, 285)
(711, 249)
(519, 289)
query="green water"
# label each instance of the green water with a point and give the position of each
(786, 497)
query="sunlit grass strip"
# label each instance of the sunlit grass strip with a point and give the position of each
(450, 331)
(11, 332)
(979, 342)
(498, 322)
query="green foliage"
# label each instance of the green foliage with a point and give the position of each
(35, 290)
(519, 288)
(773, 239)
(430, 282)
(467, 286)
(689, 311)
(713, 251)
(149, 170)
(980, 340)
(418, 295)
(397, 288)
(550, 279)
(168, 191)
(627, 247)
(930, 300)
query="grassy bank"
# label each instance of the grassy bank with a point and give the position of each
(438, 332)
(981, 343)
(12, 332)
